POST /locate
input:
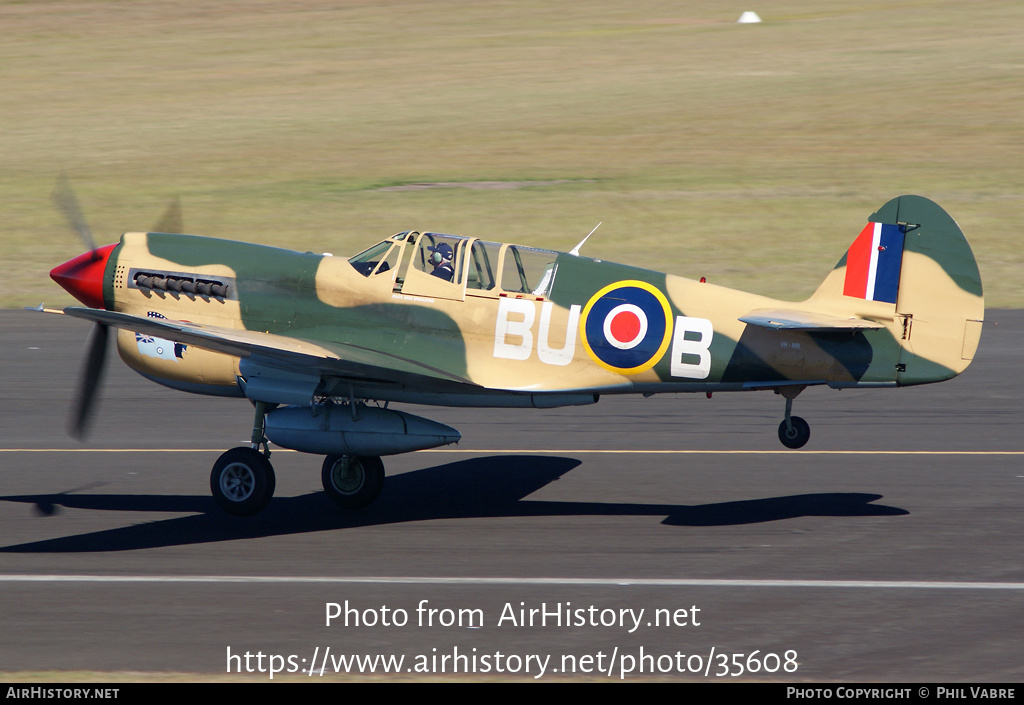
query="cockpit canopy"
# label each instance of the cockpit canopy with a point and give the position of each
(449, 266)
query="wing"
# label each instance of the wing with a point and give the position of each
(293, 354)
(790, 319)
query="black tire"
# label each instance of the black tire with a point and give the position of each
(797, 436)
(242, 481)
(352, 482)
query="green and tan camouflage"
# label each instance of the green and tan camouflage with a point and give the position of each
(440, 319)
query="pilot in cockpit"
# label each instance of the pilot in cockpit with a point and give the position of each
(441, 258)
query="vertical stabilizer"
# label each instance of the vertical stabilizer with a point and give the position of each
(912, 267)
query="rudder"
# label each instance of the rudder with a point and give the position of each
(941, 300)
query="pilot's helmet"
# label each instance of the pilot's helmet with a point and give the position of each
(441, 252)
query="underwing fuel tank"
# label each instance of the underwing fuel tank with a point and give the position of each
(332, 430)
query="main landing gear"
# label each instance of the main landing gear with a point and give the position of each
(352, 482)
(794, 432)
(243, 480)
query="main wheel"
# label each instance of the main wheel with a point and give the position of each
(352, 481)
(242, 481)
(797, 436)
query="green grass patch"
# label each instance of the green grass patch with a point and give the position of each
(750, 154)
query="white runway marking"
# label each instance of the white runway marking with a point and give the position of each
(593, 582)
(520, 451)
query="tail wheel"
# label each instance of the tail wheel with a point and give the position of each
(242, 481)
(352, 481)
(796, 434)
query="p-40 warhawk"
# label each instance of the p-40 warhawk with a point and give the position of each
(313, 340)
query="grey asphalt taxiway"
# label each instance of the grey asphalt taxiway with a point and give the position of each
(671, 536)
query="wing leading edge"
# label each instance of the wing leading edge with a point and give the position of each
(344, 360)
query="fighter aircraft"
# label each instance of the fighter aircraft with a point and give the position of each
(320, 344)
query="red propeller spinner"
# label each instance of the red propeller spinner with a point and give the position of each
(82, 277)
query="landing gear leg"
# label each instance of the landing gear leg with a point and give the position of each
(259, 426)
(243, 480)
(794, 432)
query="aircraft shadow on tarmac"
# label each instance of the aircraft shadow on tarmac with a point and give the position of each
(478, 488)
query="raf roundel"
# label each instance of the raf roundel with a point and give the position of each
(627, 326)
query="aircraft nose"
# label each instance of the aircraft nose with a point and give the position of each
(82, 277)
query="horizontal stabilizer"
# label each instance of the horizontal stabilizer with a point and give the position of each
(783, 319)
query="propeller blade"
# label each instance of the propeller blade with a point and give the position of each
(64, 198)
(92, 373)
(170, 221)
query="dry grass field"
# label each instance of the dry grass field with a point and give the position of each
(751, 154)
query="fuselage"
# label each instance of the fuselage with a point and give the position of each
(520, 323)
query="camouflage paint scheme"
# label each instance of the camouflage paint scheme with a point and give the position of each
(423, 339)
(446, 320)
